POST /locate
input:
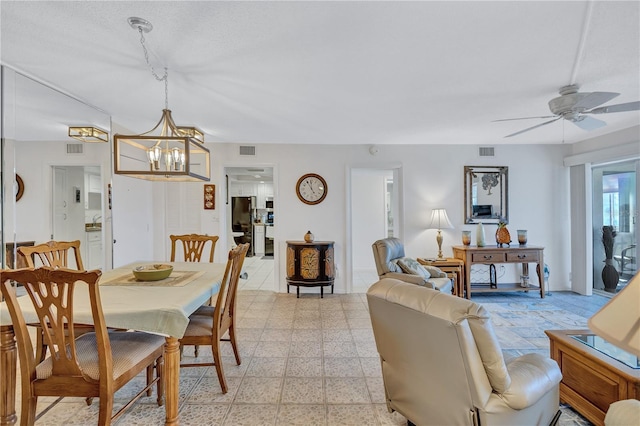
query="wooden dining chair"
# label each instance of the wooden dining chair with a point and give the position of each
(53, 253)
(193, 246)
(95, 364)
(56, 255)
(209, 323)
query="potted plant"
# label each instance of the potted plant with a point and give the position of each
(610, 275)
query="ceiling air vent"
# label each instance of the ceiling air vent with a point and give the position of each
(486, 151)
(74, 148)
(247, 150)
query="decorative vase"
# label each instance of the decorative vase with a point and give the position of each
(522, 237)
(480, 236)
(466, 238)
(610, 276)
(502, 235)
(308, 237)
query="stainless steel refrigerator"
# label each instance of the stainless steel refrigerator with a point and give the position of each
(242, 215)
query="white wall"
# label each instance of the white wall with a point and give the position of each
(432, 177)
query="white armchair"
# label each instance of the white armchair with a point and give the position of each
(442, 364)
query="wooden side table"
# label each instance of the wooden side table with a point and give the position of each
(454, 268)
(593, 372)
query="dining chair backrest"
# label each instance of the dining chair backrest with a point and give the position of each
(193, 246)
(51, 291)
(53, 253)
(92, 365)
(226, 301)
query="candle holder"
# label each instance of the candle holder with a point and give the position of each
(522, 237)
(466, 238)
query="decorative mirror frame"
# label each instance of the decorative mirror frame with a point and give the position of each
(494, 178)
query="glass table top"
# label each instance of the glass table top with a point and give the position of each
(601, 345)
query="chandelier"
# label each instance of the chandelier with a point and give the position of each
(88, 134)
(168, 151)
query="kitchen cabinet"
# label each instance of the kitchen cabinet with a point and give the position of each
(265, 191)
(258, 240)
(238, 189)
(94, 184)
(94, 250)
(92, 192)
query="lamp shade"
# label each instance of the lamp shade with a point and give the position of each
(618, 322)
(440, 220)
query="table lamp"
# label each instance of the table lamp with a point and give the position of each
(440, 221)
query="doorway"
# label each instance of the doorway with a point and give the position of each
(76, 212)
(251, 217)
(375, 208)
(615, 224)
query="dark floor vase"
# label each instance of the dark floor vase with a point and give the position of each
(610, 275)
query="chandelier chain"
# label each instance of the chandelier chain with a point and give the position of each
(164, 78)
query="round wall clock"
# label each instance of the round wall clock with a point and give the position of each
(311, 188)
(19, 188)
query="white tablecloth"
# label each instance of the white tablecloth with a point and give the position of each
(160, 310)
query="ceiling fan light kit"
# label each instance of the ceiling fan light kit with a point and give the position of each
(577, 107)
(168, 151)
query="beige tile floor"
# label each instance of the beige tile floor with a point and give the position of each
(312, 361)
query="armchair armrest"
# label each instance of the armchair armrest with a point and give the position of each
(532, 376)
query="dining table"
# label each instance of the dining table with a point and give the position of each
(159, 307)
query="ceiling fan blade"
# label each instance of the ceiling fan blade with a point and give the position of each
(629, 106)
(522, 118)
(534, 127)
(589, 123)
(594, 99)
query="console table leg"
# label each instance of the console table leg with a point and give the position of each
(321, 292)
(540, 271)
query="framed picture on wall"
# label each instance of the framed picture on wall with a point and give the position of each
(209, 197)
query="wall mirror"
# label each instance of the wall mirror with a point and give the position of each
(63, 180)
(486, 194)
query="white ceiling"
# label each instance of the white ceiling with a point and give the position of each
(335, 72)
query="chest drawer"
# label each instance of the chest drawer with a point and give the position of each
(495, 257)
(523, 256)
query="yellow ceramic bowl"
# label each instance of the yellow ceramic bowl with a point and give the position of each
(153, 272)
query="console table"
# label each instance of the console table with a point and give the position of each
(310, 265)
(594, 373)
(490, 255)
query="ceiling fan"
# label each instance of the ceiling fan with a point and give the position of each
(576, 106)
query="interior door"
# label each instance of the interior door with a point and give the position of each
(60, 205)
